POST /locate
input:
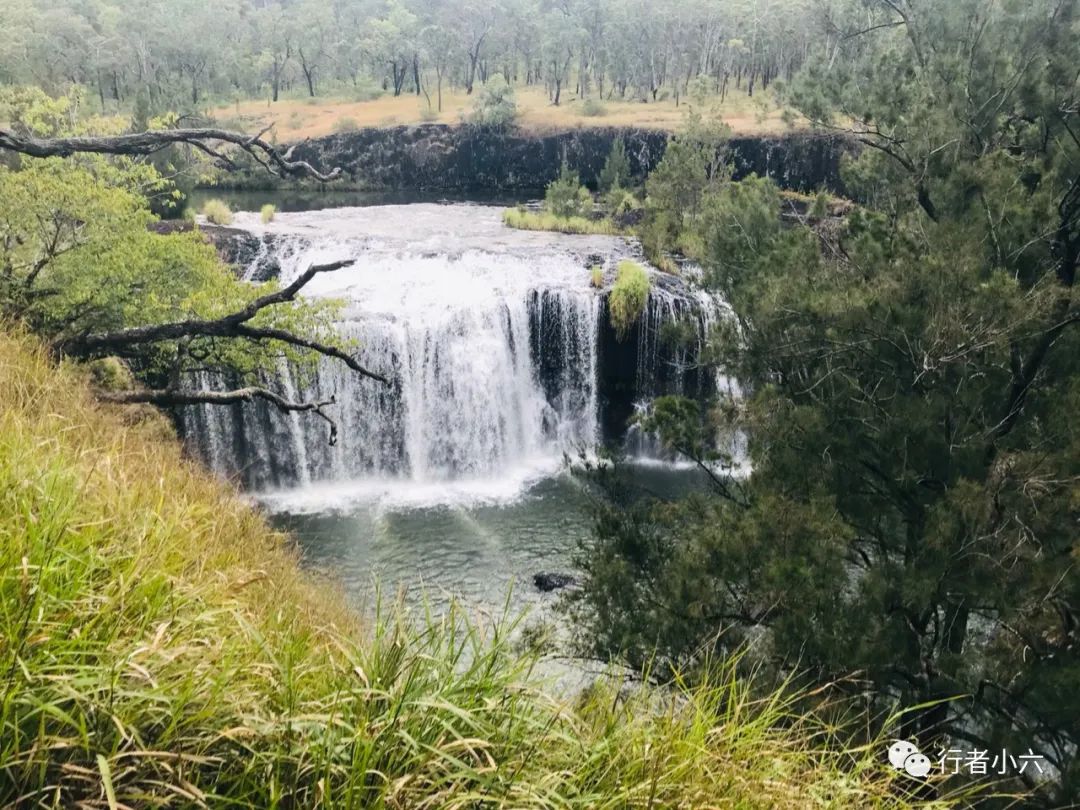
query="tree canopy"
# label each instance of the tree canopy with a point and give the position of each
(184, 52)
(911, 373)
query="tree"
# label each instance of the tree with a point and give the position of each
(616, 171)
(80, 265)
(911, 378)
(566, 197)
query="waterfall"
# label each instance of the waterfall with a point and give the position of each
(496, 344)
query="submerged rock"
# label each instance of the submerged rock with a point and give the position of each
(547, 582)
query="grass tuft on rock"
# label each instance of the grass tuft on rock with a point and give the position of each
(628, 296)
(544, 221)
(159, 646)
(217, 212)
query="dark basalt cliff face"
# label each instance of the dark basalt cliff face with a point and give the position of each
(439, 156)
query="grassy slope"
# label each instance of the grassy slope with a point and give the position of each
(159, 646)
(299, 118)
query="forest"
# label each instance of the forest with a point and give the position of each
(180, 54)
(730, 465)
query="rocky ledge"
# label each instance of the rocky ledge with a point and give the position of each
(469, 158)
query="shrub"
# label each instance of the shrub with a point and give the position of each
(346, 124)
(819, 209)
(428, 114)
(495, 106)
(616, 171)
(620, 202)
(628, 297)
(566, 197)
(593, 108)
(217, 212)
(267, 213)
(111, 374)
(596, 278)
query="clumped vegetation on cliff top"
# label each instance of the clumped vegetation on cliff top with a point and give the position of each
(628, 296)
(526, 220)
(159, 645)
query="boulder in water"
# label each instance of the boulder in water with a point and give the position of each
(547, 582)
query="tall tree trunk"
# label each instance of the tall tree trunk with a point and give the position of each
(309, 74)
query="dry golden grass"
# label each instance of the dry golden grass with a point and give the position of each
(302, 118)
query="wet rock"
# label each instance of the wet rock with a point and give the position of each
(548, 582)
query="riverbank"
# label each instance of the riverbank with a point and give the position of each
(160, 643)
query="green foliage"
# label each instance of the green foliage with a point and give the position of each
(217, 212)
(80, 257)
(910, 515)
(111, 374)
(694, 165)
(819, 209)
(616, 171)
(593, 108)
(267, 213)
(619, 202)
(628, 297)
(149, 617)
(596, 277)
(543, 221)
(495, 106)
(566, 196)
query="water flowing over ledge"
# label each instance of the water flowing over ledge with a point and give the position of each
(501, 353)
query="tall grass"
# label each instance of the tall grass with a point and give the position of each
(628, 296)
(217, 212)
(545, 221)
(160, 647)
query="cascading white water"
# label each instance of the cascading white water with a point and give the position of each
(489, 336)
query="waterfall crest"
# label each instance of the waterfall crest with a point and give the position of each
(501, 357)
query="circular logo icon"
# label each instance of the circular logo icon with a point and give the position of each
(917, 765)
(899, 751)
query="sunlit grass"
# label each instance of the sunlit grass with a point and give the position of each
(217, 212)
(544, 221)
(159, 646)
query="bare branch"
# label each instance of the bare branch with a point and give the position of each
(146, 143)
(164, 397)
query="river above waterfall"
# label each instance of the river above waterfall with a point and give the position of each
(453, 477)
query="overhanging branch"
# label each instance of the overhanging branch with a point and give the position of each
(147, 143)
(234, 325)
(164, 398)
